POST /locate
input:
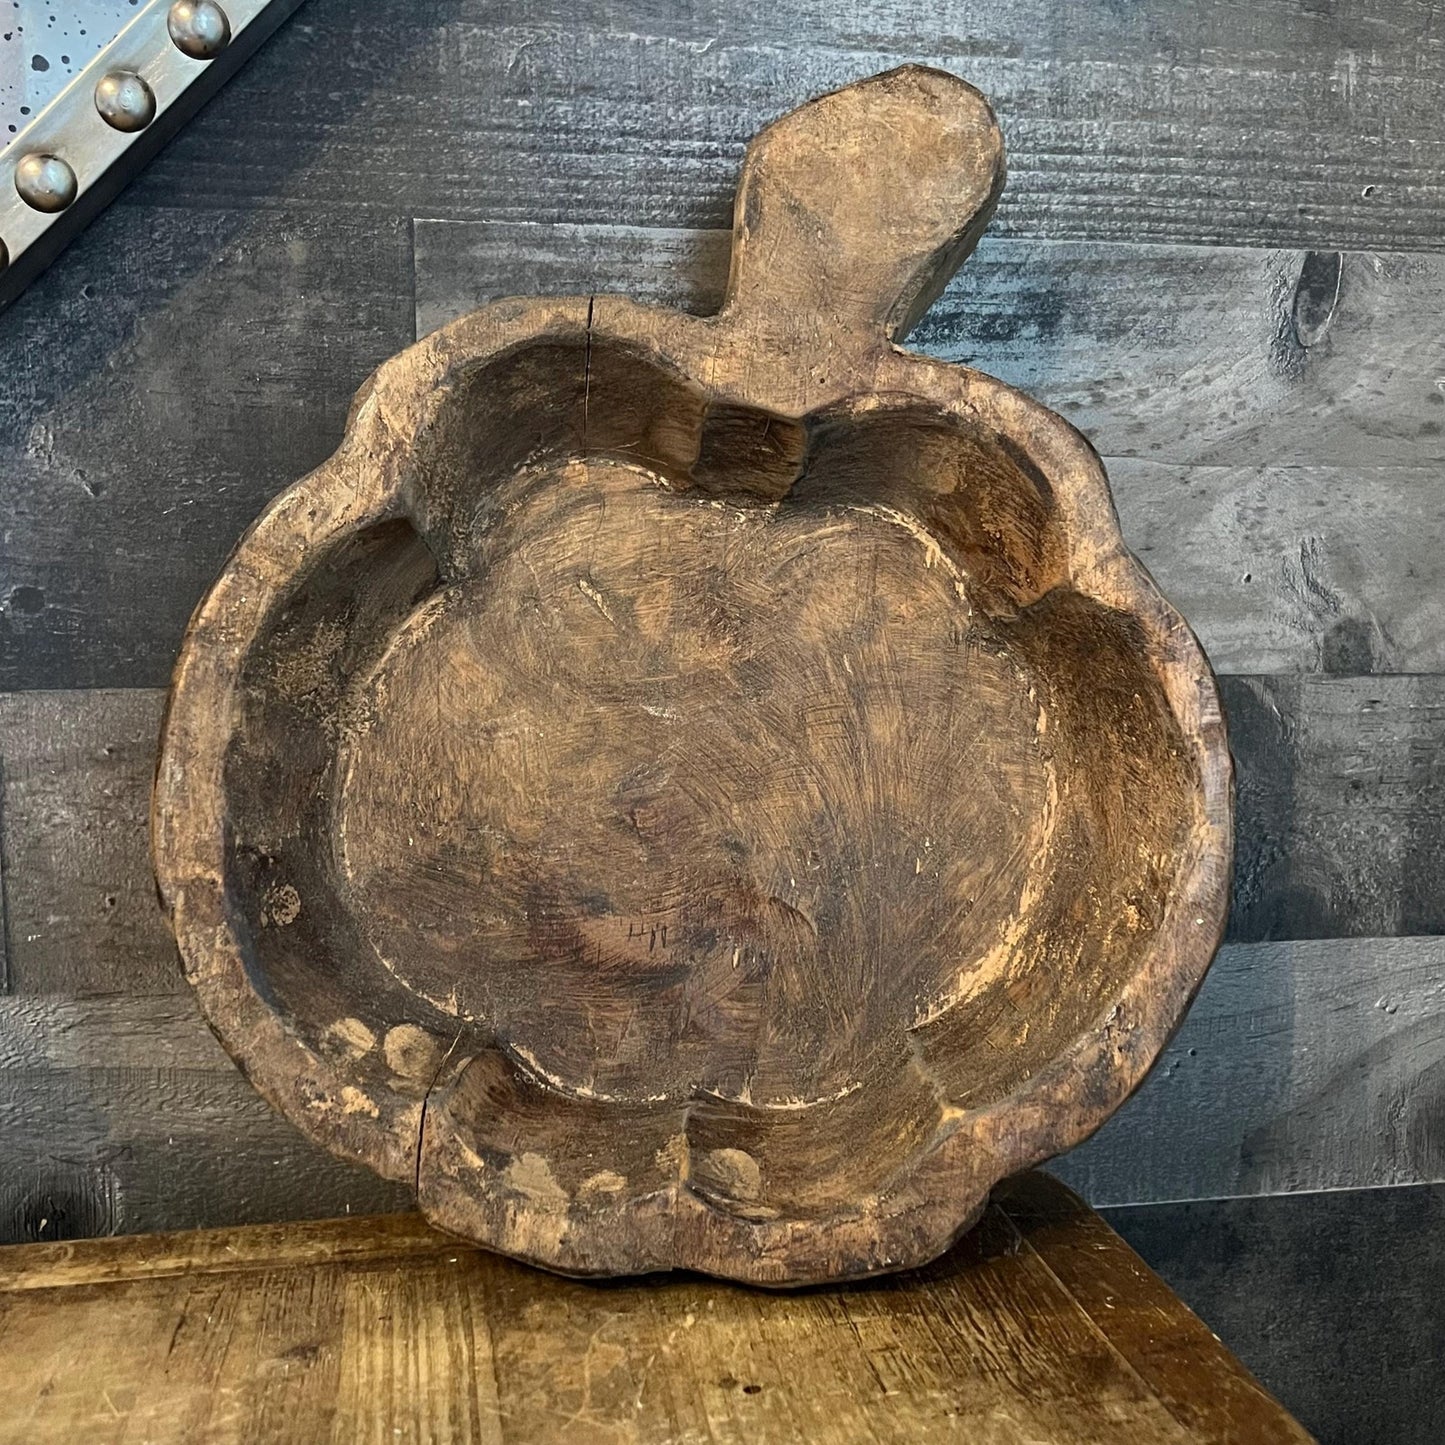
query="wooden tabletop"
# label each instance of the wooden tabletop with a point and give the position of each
(1041, 1326)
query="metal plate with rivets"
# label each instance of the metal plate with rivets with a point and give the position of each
(121, 105)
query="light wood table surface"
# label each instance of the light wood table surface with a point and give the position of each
(1041, 1328)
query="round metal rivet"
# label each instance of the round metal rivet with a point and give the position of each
(45, 182)
(125, 101)
(199, 28)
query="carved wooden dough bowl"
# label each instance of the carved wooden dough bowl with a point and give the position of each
(704, 792)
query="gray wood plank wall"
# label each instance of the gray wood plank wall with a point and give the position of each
(1221, 254)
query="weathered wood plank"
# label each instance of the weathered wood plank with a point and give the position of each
(461, 265)
(1216, 356)
(104, 1153)
(162, 381)
(124, 1113)
(1331, 1057)
(1340, 806)
(1129, 1302)
(826, 1364)
(120, 1032)
(1309, 125)
(232, 1249)
(382, 1329)
(1333, 1299)
(79, 893)
(4, 915)
(1190, 354)
(1283, 569)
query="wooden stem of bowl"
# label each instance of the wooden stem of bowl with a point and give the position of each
(853, 211)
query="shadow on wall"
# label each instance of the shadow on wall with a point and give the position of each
(1271, 898)
(1331, 1298)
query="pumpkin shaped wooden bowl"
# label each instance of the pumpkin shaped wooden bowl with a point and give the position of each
(705, 792)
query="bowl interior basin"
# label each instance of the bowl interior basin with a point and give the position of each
(754, 792)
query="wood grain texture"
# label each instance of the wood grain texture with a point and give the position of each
(462, 265)
(119, 1113)
(80, 898)
(1332, 1054)
(1294, 569)
(179, 1254)
(220, 353)
(1305, 125)
(1215, 356)
(1131, 1303)
(1131, 127)
(1333, 1298)
(1343, 780)
(1042, 1325)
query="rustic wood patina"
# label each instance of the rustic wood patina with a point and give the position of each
(1042, 1325)
(704, 792)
